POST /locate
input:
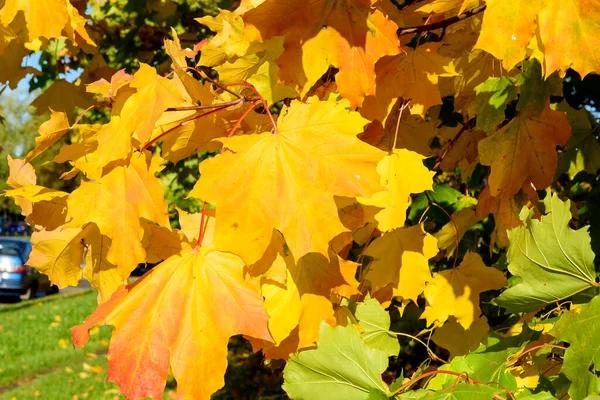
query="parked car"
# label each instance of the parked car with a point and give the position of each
(17, 277)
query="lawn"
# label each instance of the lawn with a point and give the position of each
(37, 360)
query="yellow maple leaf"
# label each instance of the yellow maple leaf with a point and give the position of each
(456, 291)
(184, 328)
(43, 207)
(59, 254)
(400, 258)
(350, 35)
(50, 132)
(460, 341)
(287, 180)
(21, 173)
(507, 28)
(454, 230)
(120, 198)
(402, 173)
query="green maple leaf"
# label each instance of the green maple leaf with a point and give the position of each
(553, 261)
(491, 100)
(341, 367)
(374, 322)
(582, 332)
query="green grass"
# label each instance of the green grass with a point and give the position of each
(35, 337)
(37, 360)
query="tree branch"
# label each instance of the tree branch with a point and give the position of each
(441, 24)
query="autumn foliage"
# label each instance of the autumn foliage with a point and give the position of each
(384, 180)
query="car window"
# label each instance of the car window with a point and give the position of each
(20, 249)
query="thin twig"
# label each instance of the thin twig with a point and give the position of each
(86, 110)
(529, 350)
(469, 126)
(442, 24)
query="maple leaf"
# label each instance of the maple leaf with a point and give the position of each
(400, 258)
(412, 75)
(236, 59)
(473, 67)
(456, 291)
(297, 293)
(108, 90)
(229, 41)
(59, 254)
(21, 173)
(524, 149)
(460, 341)
(62, 96)
(507, 28)
(402, 173)
(137, 116)
(12, 50)
(506, 211)
(490, 104)
(342, 366)
(453, 231)
(47, 20)
(42, 207)
(444, 6)
(374, 323)
(553, 261)
(50, 132)
(184, 329)
(120, 199)
(581, 330)
(350, 35)
(574, 40)
(287, 180)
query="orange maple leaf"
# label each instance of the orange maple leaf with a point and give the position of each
(183, 327)
(524, 149)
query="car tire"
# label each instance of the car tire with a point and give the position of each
(31, 292)
(53, 290)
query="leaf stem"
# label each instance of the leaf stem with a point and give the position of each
(264, 103)
(441, 24)
(457, 241)
(241, 119)
(432, 355)
(534, 348)
(402, 107)
(440, 371)
(187, 121)
(202, 229)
